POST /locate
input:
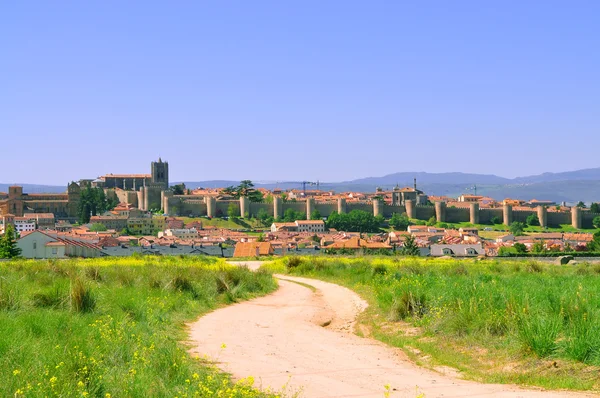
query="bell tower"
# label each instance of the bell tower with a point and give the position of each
(160, 173)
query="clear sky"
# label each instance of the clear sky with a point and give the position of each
(282, 90)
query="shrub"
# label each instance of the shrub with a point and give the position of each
(408, 304)
(82, 298)
(538, 333)
(293, 262)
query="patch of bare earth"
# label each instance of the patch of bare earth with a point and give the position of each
(305, 340)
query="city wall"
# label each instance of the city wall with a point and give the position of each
(198, 206)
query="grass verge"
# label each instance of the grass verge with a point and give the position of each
(113, 327)
(493, 321)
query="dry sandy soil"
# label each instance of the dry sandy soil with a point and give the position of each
(302, 339)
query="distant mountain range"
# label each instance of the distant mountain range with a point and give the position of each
(570, 186)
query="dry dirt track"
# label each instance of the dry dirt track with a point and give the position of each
(279, 339)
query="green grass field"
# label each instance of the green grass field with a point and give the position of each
(493, 321)
(113, 328)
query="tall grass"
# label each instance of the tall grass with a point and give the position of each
(112, 327)
(545, 311)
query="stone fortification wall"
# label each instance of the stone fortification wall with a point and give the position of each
(326, 208)
(424, 212)
(457, 214)
(364, 206)
(486, 215)
(555, 219)
(198, 206)
(586, 219)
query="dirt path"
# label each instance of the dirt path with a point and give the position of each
(280, 340)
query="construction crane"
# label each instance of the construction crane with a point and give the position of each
(309, 183)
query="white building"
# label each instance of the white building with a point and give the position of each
(184, 233)
(21, 224)
(458, 250)
(310, 225)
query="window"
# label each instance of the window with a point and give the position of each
(54, 250)
(447, 251)
(34, 245)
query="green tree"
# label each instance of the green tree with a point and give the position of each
(178, 189)
(596, 221)
(594, 244)
(581, 205)
(92, 202)
(290, 215)
(533, 220)
(245, 188)
(355, 221)
(264, 218)
(315, 215)
(516, 228)
(233, 211)
(8, 243)
(495, 220)
(410, 248)
(538, 247)
(97, 227)
(595, 208)
(520, 247)
(399, 222)
(432, 221)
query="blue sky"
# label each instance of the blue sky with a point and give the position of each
(315, 90)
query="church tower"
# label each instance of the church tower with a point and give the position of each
(160, 173)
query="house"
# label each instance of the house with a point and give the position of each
(505, 238)
(458, 250)
(38, 244)
(469, 198)
(284, 226)
(184, 233)
(355, 243)
(118, 223)
(253, 249)
(312, 226)
(468, 230)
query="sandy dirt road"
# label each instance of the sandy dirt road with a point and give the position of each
(281, 340)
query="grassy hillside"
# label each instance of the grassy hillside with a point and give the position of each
(112, 328)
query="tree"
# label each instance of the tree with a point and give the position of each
(92, 202)
(245, 188)
(581, 205)
(290, 215)
(399, 222)
(596, 221)
(495, 220)
(233, 211)
(264, 218)
(179, 189)
(432, 221)
(595, 208)
(315, 215)
(533, 220)
(260, 238)
(516, 228)
(355, 221)
(410, 247)
(8, 243)
(538, 247)
(520, 247)
(97, 227)
(594, 244)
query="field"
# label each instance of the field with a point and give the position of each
(491, 321)
(109, 328)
